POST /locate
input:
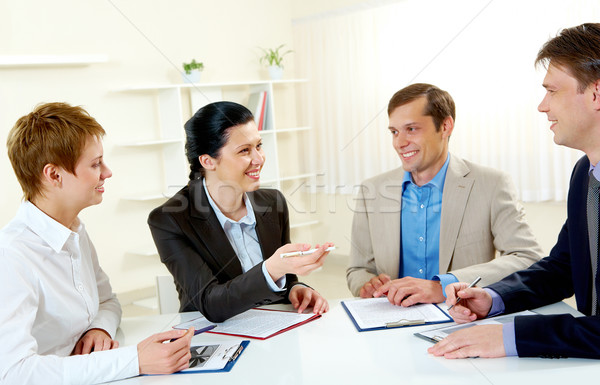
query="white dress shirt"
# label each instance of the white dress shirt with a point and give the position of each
(52, 291)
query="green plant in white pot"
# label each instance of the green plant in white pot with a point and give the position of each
(192, 71)
(274, 59)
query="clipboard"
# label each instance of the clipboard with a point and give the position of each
(397, 316)
(292, 325)
(437, 334)
(232, 360)
(273, 322)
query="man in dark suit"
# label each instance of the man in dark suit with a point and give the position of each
(572, 103)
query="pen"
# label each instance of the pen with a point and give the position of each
(201, 330)
(468, 287)
(297, 253)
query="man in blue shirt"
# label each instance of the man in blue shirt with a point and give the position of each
(436, 220)
(572, 104)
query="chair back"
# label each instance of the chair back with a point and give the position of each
(168, 299)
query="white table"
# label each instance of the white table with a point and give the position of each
(330, 350)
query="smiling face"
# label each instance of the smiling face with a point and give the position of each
(422, 149)
(240, 160)
(85, 187)
(571, 113)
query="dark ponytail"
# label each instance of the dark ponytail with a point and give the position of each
(208, 130)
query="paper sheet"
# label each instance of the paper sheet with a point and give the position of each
(253, 323)
(376, 312)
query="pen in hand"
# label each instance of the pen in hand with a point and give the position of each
(468, 287)
(198, 331)
(298, 253)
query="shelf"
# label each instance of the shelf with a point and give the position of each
(208, 85)
(146, 198)
(26, 61)
(285, 130)
(287, 178)
(150, 143)
(294, 177)
(173, 110)
(146, 253)
(303, 224)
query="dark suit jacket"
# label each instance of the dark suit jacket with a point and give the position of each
(566, 271)
(195, 249)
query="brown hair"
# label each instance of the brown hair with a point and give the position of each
(576, 50)
(439, 106)
(54, 133)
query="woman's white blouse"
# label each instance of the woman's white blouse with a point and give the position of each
(52, 290)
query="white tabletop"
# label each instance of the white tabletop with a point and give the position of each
(330, 350)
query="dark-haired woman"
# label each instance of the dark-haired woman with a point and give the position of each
(220, 236)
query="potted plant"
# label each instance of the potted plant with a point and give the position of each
(274, 59)
(192, 71)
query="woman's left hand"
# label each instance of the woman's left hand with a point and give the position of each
(94, 340)
(302, 297)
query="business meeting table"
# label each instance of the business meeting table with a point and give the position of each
(330, 350)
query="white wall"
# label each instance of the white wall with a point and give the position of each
(335, 210)
(307, 8)
(146, 42)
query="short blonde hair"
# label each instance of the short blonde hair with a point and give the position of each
(54, 133)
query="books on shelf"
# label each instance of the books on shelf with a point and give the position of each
(257, 104)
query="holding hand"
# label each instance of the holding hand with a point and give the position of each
(157, 357)
(475, 302)
(299, 265)
(477, 341)
(408, 291)
(302, 297)
(374, 283)
(94, 340)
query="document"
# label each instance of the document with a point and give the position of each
(254, 323)
(438, 334)
(379, 313)
(215, 357)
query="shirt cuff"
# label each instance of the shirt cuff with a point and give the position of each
(445, 280)
(508, 337)
(497, 304)
(273, 285)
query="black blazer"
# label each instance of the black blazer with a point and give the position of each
(195, 249)
(565, 272)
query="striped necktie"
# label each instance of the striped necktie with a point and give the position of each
(592, 220)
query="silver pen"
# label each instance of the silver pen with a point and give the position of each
(468, 287)
(298, 253)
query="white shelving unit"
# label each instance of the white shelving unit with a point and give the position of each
(36, 61)
(177, 102)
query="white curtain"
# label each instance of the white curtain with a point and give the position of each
(480, 51)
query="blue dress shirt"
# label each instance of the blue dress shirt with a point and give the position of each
(421, 217)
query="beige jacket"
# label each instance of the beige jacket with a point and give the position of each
(482, 230)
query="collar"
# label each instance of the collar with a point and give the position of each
(248, 219)
(437, 181)
(595, 170)
(51, 231)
